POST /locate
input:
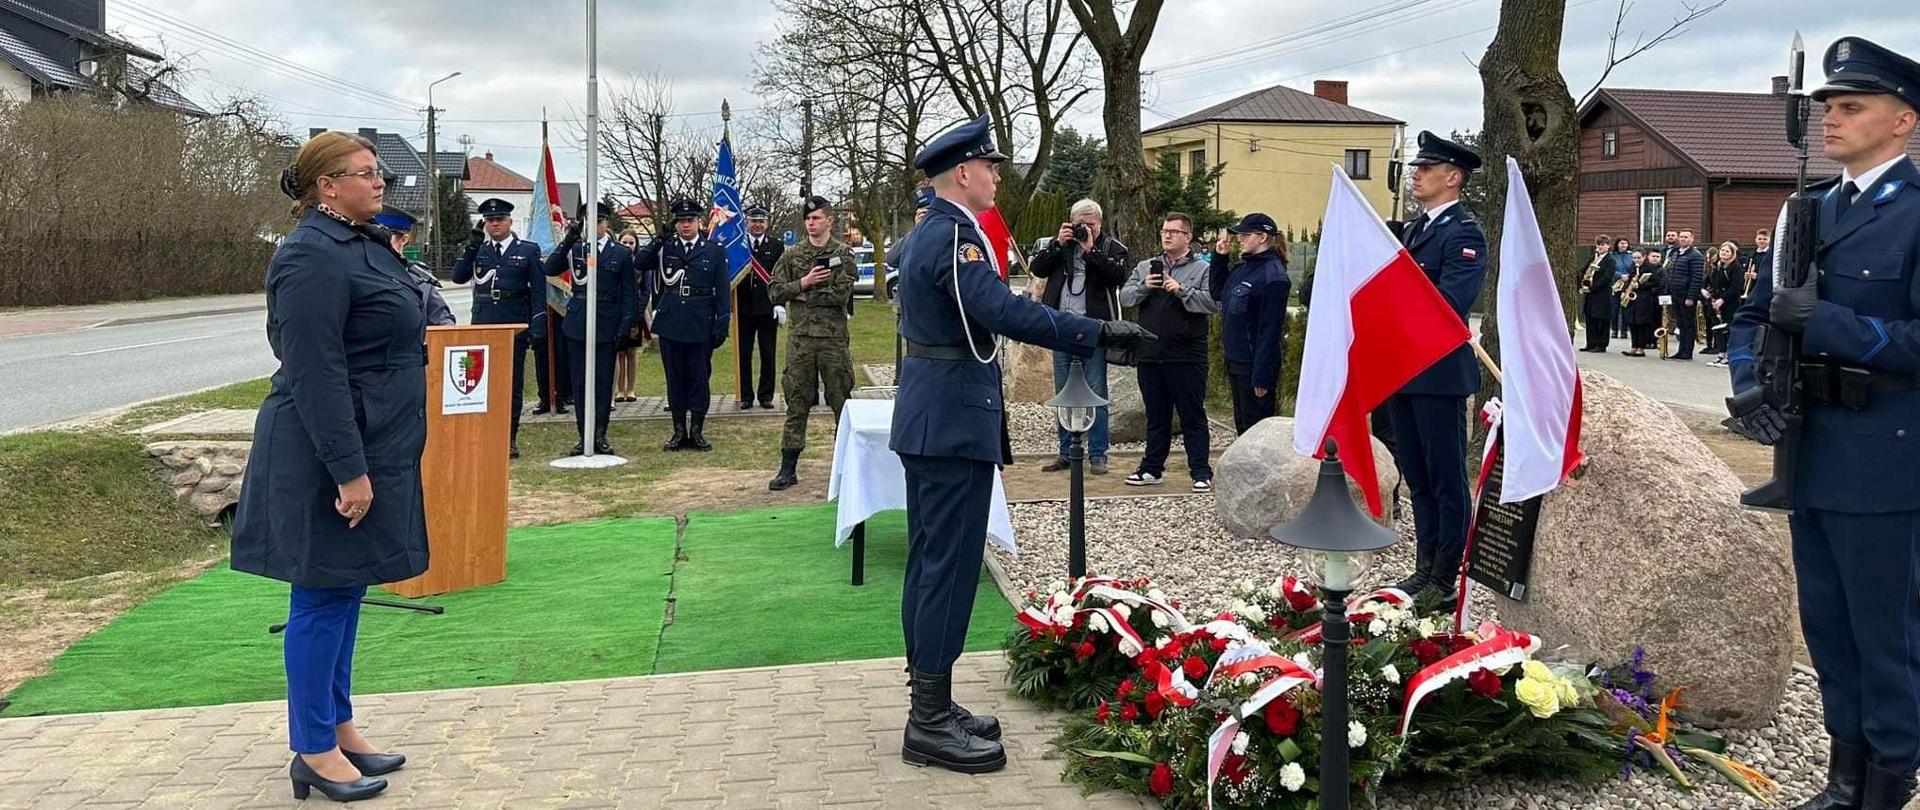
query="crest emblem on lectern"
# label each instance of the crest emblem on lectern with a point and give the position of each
(467, 369)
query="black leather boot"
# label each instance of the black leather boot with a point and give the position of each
(934, 735)
(600, 444)
(1443, 580)
(984, 726)
(1887, 790)
(697, 438)
(1422, 572)
(679, 432)
(305, 780)
(513, 448)
(786, 477)
(1846, 779)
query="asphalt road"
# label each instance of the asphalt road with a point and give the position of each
(55, 377)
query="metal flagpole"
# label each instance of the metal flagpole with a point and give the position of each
(590, 199)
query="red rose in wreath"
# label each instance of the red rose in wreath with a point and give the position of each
(1484, 683)
(1282, 718)
(1161, 782)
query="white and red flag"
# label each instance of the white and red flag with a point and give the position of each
(1539, 424)
(1378, 322)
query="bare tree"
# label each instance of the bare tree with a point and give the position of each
(1641, 43)
(1120, 49)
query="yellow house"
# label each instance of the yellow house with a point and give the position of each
(1278, 145)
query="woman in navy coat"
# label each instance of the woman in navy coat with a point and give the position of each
(331, 501)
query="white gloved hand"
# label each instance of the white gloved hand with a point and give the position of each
(780, 314)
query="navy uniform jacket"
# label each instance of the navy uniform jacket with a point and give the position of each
(517, 273)
(1686, 276)
(697, 308)
(952, 408)
(1253, 313)
(1868, 317)
(349, 399)
(619, 291)
(1453, 251)
(754, 297)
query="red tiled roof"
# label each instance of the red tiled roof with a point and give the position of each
(1725, 135)
(1279, 104)
(634, 211)
(485, 175)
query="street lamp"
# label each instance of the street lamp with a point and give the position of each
(1339, 540)
(1076, 405)
(433, 170)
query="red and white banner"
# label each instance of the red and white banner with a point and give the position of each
(1500, 648)
(1379, 323)
(1540, 383)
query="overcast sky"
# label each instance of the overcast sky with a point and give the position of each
(522, 55)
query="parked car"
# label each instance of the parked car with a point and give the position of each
(864, 255)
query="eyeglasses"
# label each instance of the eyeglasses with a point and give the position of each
(1171, 232)
(367, 174)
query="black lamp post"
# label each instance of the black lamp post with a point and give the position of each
(1339, 537)
(1076, 404)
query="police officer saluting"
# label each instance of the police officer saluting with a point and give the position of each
(948, 431)
(754, 308)
(1429, 414)
(505, 272)
(814, 281)
(1856, 513)
(619, 311)
(686, 276)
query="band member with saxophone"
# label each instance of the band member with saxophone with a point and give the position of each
(1642, 300)
(1596, 295)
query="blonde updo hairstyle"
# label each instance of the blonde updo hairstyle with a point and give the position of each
(323, 154)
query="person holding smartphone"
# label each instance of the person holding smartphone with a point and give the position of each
(1171, 293)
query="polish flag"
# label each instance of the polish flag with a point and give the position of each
(1540, 386)
(1379, 324)
(999, 238)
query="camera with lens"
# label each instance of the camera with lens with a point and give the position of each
(1080, 232)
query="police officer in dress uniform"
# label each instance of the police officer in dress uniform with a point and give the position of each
(1429, 414)
(505, 272)
(1856, 512)
(619, 311)
(758, 328)
(433, 305)
(686, 276)
(813, 281)
(948, 431)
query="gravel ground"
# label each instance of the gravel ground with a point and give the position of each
(1181, 545)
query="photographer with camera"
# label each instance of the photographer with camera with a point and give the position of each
(1084, 269)
(1174, 303)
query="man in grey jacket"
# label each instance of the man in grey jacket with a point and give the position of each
(1170, 291)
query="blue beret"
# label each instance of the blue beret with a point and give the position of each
(969, 141)
(394, 219)
(1855, 65)
(495, 207)
(1435, 149)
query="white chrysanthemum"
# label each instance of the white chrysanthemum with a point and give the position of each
(1161, 641)
(1390, 673)
(1247, 679)
(1305, 661)
(1097, 623)
(1126, 612)
(1254, 614)
(1060, 599)
(1356, 734)
(1293, 777)
(1240, 742)
(1063, 615)
(1160, 619)
(1058, 585)
(1428, 627)
(1377, 627)
(1128, 648)
(1157, 595)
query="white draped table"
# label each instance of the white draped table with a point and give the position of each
(867, 479)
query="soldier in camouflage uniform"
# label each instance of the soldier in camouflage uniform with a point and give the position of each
(814, 281)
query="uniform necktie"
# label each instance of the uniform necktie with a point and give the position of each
(1419, 226)
(1847, 193)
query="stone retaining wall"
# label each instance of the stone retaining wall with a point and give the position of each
(205, 475)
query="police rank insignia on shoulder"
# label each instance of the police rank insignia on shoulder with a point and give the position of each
(970, 252)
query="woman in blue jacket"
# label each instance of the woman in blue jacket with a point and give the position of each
(1253, 315)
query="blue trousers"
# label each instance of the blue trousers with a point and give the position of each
(689, 368)
(947, 504)
(603, 353)
(1858, 577)
(1096, 369)
(318, 646)
(1430, 448)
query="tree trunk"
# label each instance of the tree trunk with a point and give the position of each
(1530, 116)
(1127, 214)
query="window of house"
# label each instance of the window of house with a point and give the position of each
(1653, 219)
(1197, 162)
(1359, 163)
(1610, 144)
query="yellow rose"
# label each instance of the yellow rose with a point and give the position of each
(1538, 696)
(1535, 670)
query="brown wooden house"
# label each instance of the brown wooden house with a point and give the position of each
(1718, 163)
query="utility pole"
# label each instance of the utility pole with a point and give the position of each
(806, 148)
(433, 174)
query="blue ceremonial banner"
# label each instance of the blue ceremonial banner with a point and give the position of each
(724, 224)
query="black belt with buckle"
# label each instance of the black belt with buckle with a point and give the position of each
(926, 352)
(506, 295)
(1851, 387)
(696, 292)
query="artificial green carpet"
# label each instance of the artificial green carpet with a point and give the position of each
(580, 601)
(768, 587)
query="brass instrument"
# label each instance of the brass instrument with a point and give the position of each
(1665, 332)
(1747, 291)
(1632, 287)
(1586, 278)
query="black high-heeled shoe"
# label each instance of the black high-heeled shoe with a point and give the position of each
(375, 764)
(305, 779)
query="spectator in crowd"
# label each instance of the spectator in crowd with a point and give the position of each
(1171, 292)
(1643, 312)
(1686, 283)
(1596, 295)
(1253, 315)
(626, 359)
(1726, 289)
(1084, 269)
(1622, 270)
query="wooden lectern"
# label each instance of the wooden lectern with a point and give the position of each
(464, 470)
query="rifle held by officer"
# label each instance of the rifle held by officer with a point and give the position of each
(1778, 360)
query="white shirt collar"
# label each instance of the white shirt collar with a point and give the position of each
(1869, 177)
(1433, 214)
(602, 243)
(503, 244)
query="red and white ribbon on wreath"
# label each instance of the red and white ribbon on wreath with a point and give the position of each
(1178, 622)
(1171, 683)
(1500, 648)
(1087, 584)
(1238, 661)
(1392, 596)
(1490, 416)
